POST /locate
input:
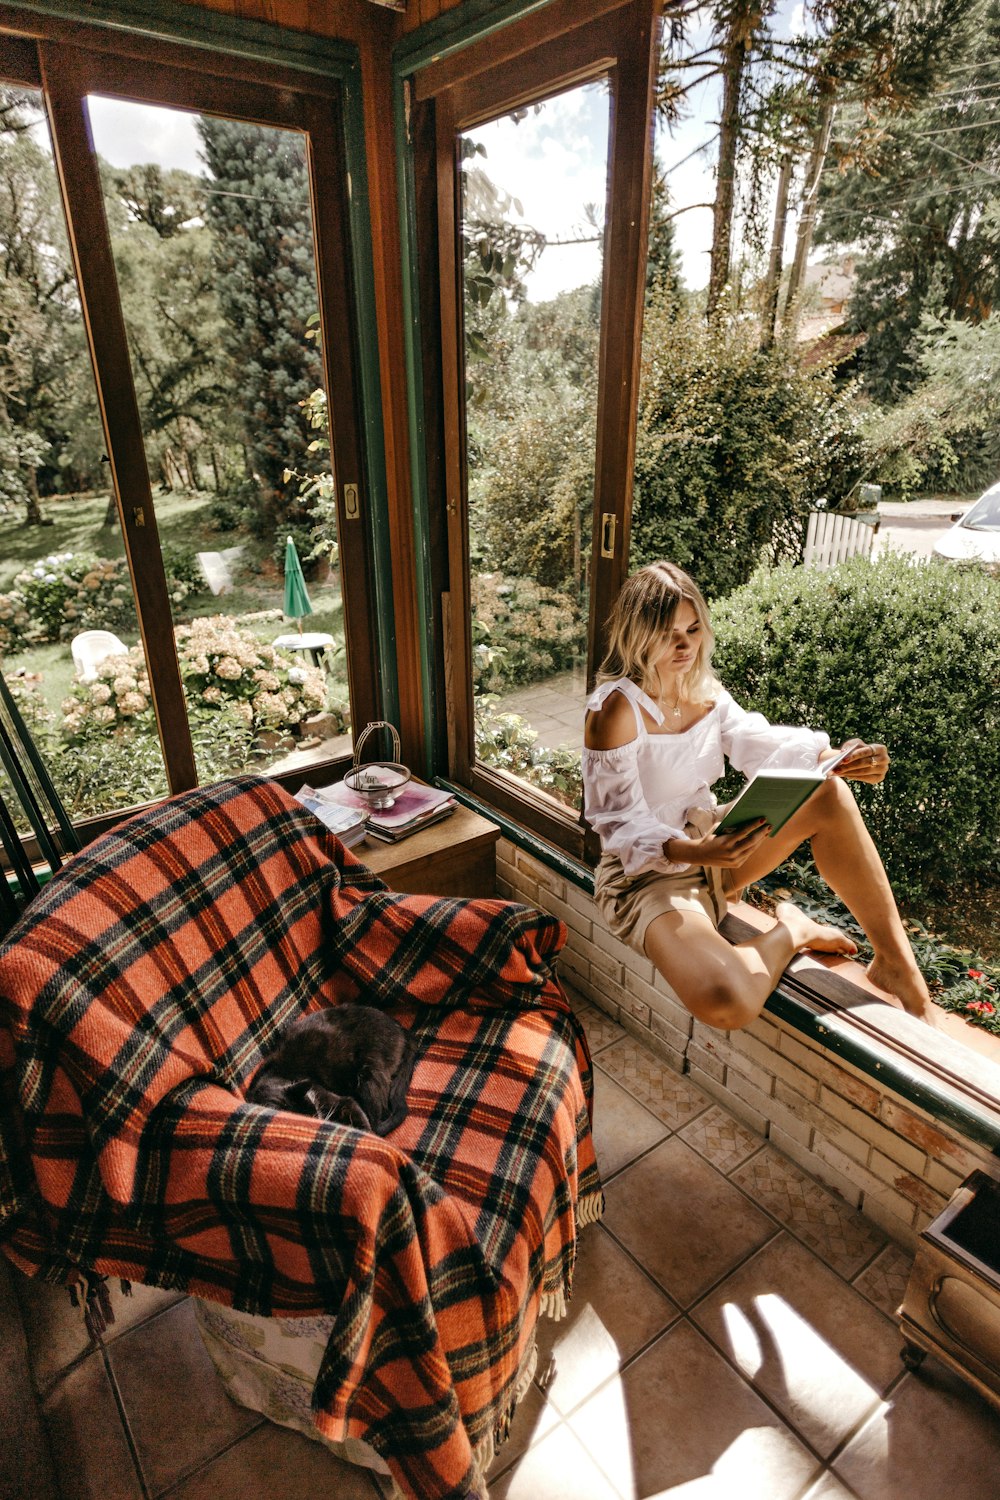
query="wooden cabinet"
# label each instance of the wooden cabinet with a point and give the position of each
(456, 857)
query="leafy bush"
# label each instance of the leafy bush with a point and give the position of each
(509, 743)
(900, 651)
(734, 443)
(14, 623)
(521, 632)
(222, 663)
(223, 667)
(68, 592)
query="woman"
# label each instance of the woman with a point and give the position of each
(658, 726)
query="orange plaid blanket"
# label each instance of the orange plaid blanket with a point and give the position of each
(139, 994)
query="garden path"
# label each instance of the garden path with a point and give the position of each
(553, 708)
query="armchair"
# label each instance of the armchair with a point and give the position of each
(138, 995)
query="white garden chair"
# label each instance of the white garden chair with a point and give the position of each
(91, 647)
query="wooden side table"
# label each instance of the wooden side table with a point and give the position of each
(456, 857)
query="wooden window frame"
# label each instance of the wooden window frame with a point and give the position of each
(67, 61)
(539, 56)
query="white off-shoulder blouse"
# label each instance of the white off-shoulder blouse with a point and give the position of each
(641, 794)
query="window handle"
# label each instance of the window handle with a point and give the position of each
(609, 525)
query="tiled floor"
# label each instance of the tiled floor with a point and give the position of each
(730, 1337)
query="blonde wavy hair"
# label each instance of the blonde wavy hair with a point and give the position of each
(640, 621)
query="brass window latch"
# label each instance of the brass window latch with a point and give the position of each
(352, 502)
(609, 526)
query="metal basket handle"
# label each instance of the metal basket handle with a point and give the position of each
(370, 729)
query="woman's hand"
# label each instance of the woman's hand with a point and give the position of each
(865, 762)
(727, 850)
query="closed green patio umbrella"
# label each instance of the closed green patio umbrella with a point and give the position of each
(296, 597)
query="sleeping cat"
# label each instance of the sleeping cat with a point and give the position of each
(350, 1063)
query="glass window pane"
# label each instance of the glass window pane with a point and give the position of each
(533, 190)
(211, 230)
(68, 631)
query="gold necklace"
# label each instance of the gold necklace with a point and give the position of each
(675, 708)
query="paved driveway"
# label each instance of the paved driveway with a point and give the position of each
(914, 525)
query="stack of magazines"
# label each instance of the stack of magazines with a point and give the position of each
(416, 807)
(348, 823)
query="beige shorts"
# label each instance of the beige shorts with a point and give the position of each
(629, 904)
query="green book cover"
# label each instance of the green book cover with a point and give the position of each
(775, 795)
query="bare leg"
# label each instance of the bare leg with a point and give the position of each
(849, 862)
(725, 984)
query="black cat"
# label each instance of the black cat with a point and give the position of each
(350, 1063)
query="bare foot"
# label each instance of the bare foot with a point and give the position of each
(806, 933)
(905, 982)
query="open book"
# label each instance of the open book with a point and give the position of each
(776, 794)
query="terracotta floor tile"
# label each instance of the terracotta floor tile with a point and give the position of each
(840, 1236)
(810, 1344)
(90, 1452)
(601, 1030)
(273, 1463)
(679, 1421)
(557, 1468)
(934, 1437)
(56, 1333)
(623, 1128)
(145, 1302)
(669, 1096)
(682, 1220)
(884, 1281)
(176, 1407)
(614, 1311)
(720, 1139)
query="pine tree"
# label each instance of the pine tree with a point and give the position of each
(258, 208)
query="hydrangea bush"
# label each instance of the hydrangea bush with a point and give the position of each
(67, 592)
(220, 662)
(223, 667)
(14, 623)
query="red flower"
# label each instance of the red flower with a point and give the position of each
(975, 974)
(980, 1007)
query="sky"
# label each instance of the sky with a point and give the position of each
(553, 161)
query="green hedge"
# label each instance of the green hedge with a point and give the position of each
(901, 651)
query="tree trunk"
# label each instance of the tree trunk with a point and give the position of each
(111, 514)
(807, 219)
(32, 509)
(173, 478)
(769, 310)
(735, 47)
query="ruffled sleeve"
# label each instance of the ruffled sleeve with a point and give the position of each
(616, 808)
(749, 742)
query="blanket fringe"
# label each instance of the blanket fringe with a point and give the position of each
(98, 1314)
(590, 1210)
(553, 1305)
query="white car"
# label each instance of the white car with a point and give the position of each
(975, 536)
